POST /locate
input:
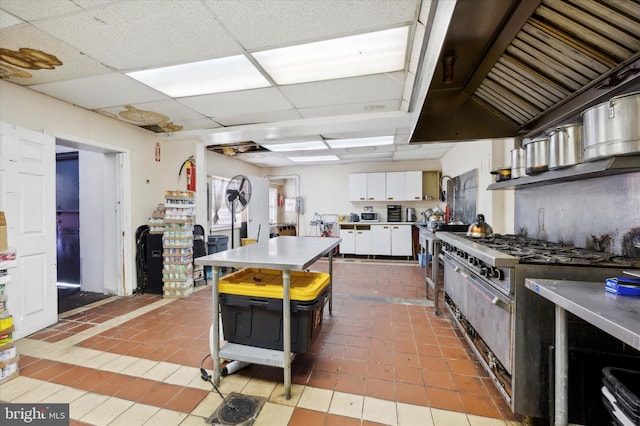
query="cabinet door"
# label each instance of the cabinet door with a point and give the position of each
(376, 186)
(381, 240)
(395, 186)
(348, 243)
(358, 187)
(363, 241)
(413, 186)
(401, 240)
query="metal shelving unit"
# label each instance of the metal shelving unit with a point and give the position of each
(592, 169)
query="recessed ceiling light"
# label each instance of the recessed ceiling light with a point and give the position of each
(314, 158)
(295, 146)
(363, 54)
(357, 142)
(198, 78)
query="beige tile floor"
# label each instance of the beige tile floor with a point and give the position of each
(124, 361)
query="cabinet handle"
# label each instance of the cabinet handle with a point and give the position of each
(389, 198)
(386, 227)
(395, 227)
(362, 198)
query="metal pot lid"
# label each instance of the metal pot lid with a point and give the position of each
(527, 141)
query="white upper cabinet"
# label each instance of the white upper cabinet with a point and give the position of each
(396, 186)
(358, 187)
(376, 186)
(413, 186)
(385, 186)
(367, 186)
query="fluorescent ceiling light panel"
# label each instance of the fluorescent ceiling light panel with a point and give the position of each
(199, 78)
(295, 146)
(358, 142)
(315, 158)
(363, 54)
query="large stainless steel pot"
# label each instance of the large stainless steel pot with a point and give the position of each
(612, 128)
(517, 163)
(537, 152)
(565, 145)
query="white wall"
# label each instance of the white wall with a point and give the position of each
(485, 155)
(324, 188)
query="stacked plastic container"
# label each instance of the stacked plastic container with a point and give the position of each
(177, 244)
(8, 353)
(621, 392)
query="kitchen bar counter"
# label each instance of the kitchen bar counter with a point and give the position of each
(282, 253)
(365, 222)
(617, 315)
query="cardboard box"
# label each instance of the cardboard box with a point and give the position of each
(4, 243)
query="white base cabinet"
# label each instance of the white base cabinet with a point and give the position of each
(356, 239)
(391, 240)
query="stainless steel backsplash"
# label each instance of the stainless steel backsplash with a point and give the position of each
(601, 214)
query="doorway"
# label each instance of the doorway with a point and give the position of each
(86, 222)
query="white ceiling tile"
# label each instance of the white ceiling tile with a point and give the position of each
(260, 24)
(334, 110)
(346, 90)
(32, 10)
(166, 32)
(234, 103)
(8, 20)
(101, 91)
(259, 117)
(200, 124)
(53, 51)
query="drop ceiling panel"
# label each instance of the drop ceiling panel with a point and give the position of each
(101, 91)
(241, 102)
(258, 117)
(346, 91)
(105, 33)
(43, 58)
(274, 23)
(333, 110)
(7, 20)
(32, 10)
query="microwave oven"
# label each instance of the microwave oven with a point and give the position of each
(368, 217)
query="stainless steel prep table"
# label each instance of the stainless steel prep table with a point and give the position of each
(282, 253)
(616, 315)
(431, 244)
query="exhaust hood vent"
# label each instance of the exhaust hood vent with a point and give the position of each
(563, 47)
(543, 64)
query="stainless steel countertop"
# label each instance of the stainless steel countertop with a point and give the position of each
(617, 315)
(282, 253)
(479, 251)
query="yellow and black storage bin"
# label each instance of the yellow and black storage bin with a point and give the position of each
(251, 307)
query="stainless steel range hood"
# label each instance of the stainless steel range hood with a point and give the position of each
(518, 67)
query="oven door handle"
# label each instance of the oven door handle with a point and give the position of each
(496, 300)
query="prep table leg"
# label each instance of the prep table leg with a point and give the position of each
(286, 332)
(215, 355)
(331, 282)
(562, 368)
(435, 265)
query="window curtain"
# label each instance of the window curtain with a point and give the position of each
(218, 186)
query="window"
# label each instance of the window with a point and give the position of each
(220, 214)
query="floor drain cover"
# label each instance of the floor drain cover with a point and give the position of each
(238, 410)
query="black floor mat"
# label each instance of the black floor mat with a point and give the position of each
(69, 299)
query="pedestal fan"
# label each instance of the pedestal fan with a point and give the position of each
(237, 197)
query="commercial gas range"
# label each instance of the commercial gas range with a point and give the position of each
(508, 327)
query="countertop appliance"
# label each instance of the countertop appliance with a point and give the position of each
(508, 327)
(394, 213)
(410, 215)
(369, 217)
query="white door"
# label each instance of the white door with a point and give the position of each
(27, 195)
(357, 187)
(258, 209)
(395, 186)
(376, 186)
